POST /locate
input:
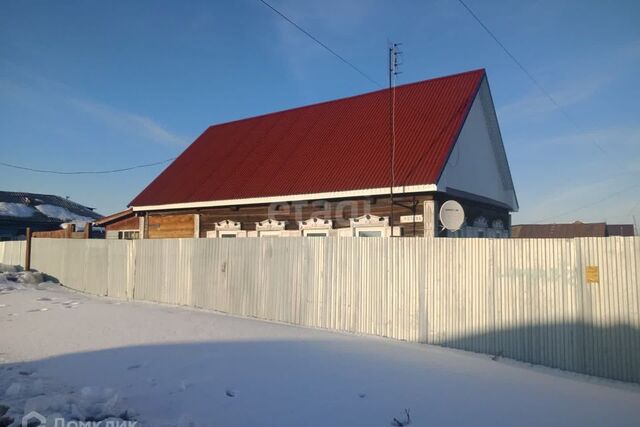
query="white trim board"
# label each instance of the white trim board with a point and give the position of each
(292, 198)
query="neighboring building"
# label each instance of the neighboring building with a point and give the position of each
(325, 169)
(567, 231)
(620, 230)
(40, 212)
(121, 225)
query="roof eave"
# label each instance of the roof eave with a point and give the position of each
(424, 188)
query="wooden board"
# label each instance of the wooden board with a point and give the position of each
(170, 226)
(130, 223)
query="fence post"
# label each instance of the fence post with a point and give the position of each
(27, 251)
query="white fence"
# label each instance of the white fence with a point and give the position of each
(12, 253)
(525, 299)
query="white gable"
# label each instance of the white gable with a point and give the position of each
(478, 163)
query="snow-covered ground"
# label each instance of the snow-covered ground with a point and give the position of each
(89, 358)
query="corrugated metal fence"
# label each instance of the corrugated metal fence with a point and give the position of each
(525, 299)
(12, 252)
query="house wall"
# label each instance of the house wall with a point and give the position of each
(181, 224)
(129, 223)
(192, 222)
(170, 226)
(478, 164)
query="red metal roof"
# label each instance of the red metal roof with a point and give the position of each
(333, 146)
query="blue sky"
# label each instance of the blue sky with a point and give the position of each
(101, 85)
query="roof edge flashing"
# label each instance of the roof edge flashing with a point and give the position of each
(425, 188)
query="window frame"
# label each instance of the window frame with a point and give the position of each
(217, 234)
(370, 222)
(121, 234)
(225, 234)
(382, 230)
(316, 232)
(269, 233)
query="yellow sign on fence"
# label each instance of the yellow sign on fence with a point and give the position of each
(593, 274)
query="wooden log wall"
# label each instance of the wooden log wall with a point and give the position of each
(170, 226)
(182, 223)
(129, 223)
(339, 211)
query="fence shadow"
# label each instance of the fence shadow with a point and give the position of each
(609, 351)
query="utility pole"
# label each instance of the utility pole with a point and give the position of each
(393, 72)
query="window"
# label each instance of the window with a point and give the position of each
(315, 233)
(226, 234)
(227, 229)
(315, 227)
(270, 228)
(370, 226)
(129, 234)
(369, 232)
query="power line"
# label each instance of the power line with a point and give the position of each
(530, 76)
(555, 103)
(315, 39)
(588, 205)
(99, 172)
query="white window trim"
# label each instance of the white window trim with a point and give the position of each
(270, 227)
(269, 233)
(323, 231)
(384, 231)
(315, 226)
(236, 233)
(370, 223)
(217, 234)
(226, 227)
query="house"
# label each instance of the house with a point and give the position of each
(568, 231)
(40, 212)
(327, 170)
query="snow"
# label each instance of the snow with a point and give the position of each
(13, 277)
(52, 211)
(93, 358)
(16, 210)
(63, 214)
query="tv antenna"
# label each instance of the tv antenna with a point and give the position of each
(394, 64)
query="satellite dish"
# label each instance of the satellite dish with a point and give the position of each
(451, 215)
